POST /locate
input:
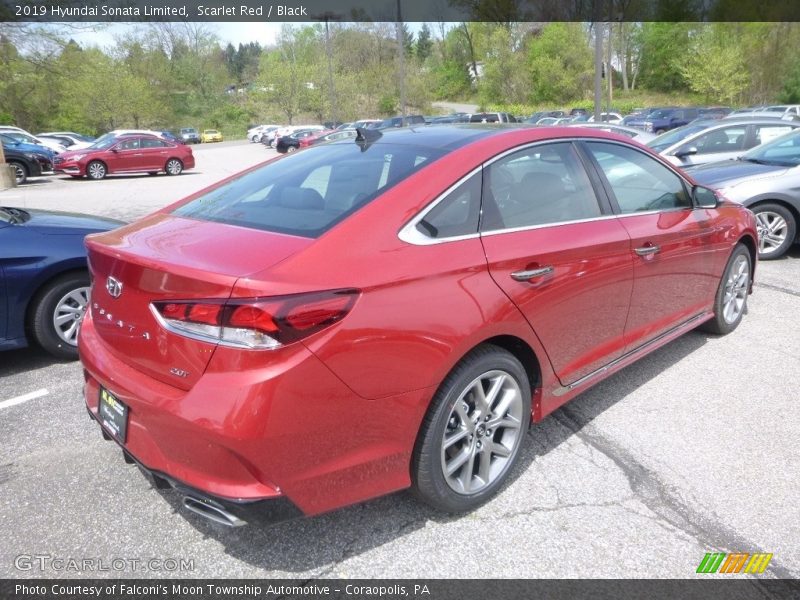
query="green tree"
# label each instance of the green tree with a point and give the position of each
(560, 63)
(715, 67)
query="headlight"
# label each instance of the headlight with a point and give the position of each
(78, 156)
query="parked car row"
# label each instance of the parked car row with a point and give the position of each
(119, 151)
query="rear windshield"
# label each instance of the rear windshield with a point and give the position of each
(307, 193)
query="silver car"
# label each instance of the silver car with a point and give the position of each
(711, 141)
(767, 180)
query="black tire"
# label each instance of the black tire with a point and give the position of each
(96, 170)
(43, 311)
(173, 167)
(20, 171)
(766, 214)
(659, 131)
(430, 457)
(725, 322)
(290, 149)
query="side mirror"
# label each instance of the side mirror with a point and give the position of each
(686, 151)
(115, 149)
(705, 197)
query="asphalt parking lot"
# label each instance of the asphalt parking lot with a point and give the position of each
(691, 450)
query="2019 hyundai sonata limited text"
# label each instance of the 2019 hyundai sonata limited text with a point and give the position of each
(392, 312)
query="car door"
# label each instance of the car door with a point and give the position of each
(124, 156)
(558, 254)
(721, 143)
(154, 154)
(676, 270)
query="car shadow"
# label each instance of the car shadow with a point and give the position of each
(13, 362)
(319, 543)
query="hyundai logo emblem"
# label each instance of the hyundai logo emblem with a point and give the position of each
(114, 287)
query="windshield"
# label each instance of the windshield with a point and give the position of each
(306, 194)
(7, 139)
(782, 151)
(665, 140)
(659, 114)
(188, 130)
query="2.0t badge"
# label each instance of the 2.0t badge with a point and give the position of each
(114, 287)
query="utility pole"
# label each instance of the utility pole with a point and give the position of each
(328, 17)
(401, 64)
(598, 69)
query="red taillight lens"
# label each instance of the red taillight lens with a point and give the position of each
(257, 322)
(251, 317)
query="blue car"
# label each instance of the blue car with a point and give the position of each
(9, 140)
(44, 281)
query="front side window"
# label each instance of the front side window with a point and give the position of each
(728, 139)
(539, 185)
(306, 194)
(129, 144)
(639, 182)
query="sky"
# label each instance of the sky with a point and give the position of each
(235, 33)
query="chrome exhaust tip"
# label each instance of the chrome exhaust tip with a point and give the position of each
(212, 511)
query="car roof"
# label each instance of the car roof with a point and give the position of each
(451, 136)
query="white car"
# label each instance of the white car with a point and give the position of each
(608, 117)
(29, 138)
(254, 134)
(713, 141)
(76, 140)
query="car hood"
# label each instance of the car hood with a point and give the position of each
(732, 172)
(70, 154)
(35, 148)
(64, 223)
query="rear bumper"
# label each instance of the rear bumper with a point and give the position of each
(258, 427)
(241, 512)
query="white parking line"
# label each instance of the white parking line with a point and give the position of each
(23, 398)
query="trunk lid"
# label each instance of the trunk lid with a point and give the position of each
(163, 258)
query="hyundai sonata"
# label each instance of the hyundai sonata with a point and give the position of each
(393, 311)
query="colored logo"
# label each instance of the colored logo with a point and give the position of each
(719, 562)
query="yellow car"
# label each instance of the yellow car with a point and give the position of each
(211, 135)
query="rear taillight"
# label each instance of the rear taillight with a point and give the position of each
(258, 323)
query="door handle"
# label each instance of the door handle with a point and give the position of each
(526, 275)
(647, 250)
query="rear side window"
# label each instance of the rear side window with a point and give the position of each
(457, 214)
(307, 193)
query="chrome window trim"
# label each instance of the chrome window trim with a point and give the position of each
(409, 232)
(411, 235)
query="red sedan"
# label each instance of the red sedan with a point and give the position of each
(126, 154)
(395, 310)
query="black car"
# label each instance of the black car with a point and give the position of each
(26, 164)
(290, 143)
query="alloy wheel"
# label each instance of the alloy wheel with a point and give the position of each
(19, 173)
(69, 313)
(772, 231)
(736, 286)
(482, 433)
(96, 170)
(174, 167)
